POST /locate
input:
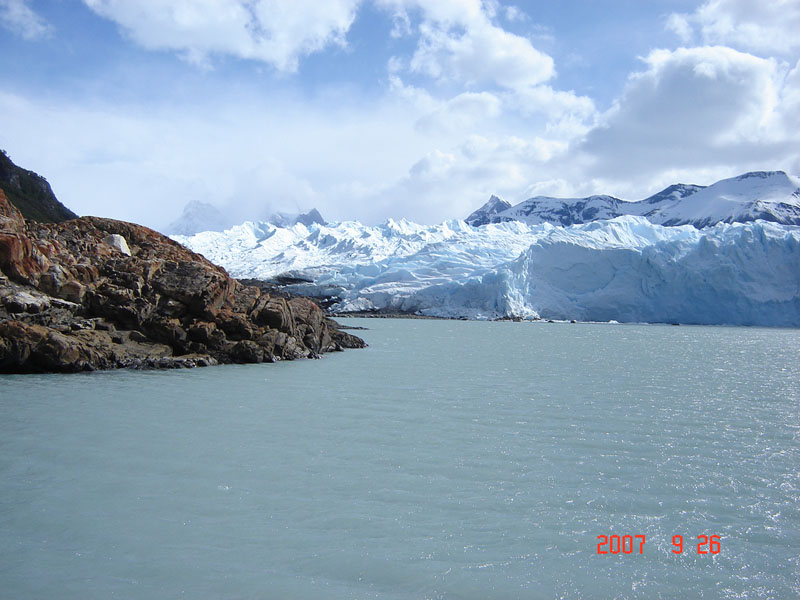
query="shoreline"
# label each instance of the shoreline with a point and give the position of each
(401, 315)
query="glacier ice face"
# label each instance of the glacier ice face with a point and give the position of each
(625, 269)
(741, 274)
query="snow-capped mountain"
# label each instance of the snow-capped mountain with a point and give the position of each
(484, 214)
(201, 216)
(289, 219)
(198, 216)
(768, 195)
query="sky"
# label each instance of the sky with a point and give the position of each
(377, 109)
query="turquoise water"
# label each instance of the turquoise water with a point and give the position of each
(448, 460)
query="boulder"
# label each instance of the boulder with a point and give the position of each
(117, 241)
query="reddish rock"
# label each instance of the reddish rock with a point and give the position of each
(161, 306)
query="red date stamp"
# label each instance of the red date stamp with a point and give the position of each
(634, 544)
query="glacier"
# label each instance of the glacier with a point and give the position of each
(624, 269)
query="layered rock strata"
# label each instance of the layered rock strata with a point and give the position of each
(94, 293)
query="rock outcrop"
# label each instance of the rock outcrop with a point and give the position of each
(94, 293)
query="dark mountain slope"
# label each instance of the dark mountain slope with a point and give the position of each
(31, 193)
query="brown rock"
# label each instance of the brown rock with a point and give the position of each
(162, 306)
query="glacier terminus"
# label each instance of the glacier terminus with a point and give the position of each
(728, 253)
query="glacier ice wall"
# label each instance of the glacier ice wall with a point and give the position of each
(730, 274)
(625, 269)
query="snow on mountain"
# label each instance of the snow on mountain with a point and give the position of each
(771, 196)
(625, 269)
(310, 217)
(768, 195)
(283, 219)
(200, 216)
(562, 211)
(485, 213)
(670, 194)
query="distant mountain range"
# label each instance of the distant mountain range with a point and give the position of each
(201, 216)
(767, 195)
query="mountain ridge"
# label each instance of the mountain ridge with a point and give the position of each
(766, 195)
(31, 194)
(199, 216)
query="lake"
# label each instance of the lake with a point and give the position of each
(449, 459)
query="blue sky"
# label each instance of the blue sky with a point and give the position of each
(370, 109)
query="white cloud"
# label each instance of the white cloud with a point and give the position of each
(470, 110)
(679, 24)
(710, 110)
(567, 115)
(483, 55)
(401, 23)
(764, 27)
(460, 44)
(462, 112)
(512, 13)
(19, 18)
(490, 78)
(278, 32)
(789, 104)
(446, 184)
(144, 164)
(496, 130)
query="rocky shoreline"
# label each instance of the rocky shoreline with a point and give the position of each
(94, 293)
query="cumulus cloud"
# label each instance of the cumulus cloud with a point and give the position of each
(483, 75)
(278, 32)
(482, 55)
(763, 27)
(19, 18)
(789, 104)
(460, 44)
(709, 109)
(470, 110)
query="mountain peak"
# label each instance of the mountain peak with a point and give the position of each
(483, 215)
(198, 216)
(310, 217)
